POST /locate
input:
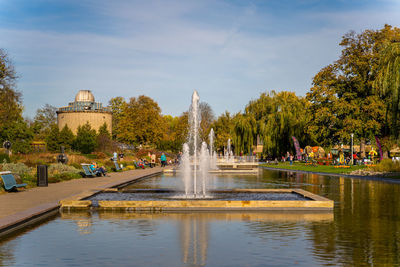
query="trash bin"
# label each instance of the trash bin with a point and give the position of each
(42, 177)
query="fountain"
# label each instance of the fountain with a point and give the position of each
(197, 162)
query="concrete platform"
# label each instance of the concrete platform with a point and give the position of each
(20, 208)
(313, 202)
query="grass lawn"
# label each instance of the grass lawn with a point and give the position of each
(318, 168)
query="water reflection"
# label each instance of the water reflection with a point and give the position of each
(363, 229)
(193, 229)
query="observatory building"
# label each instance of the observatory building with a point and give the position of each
(84, 109)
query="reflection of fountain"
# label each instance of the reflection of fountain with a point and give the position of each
(194, 239)
(193, 185)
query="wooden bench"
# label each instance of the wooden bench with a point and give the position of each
(9, 181)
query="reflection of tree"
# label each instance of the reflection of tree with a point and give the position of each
(7, 257)
(366, 229)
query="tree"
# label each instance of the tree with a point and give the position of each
(104, 142)
(223, 130)
(207, 118)
(141, 122)
(19, 134)
(66, 137)
(387, 84)
(10, 99)
(117, 105)
(53, 138)
(176, 133)
(12, 125)
(44, 119)
(85, 140)
(275, 117)
(343, 98)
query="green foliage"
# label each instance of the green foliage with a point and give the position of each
(275, 117)
(344, 96)
(61, 168)
(53, 139)
(85, 140)
(117, 105)
(387, 165)
(19, 168)
(66, 137)
(4, 158)
(223, 129)
(175, 134)
(19, 134)
(10, 99)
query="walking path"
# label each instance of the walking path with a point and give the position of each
(20, 207)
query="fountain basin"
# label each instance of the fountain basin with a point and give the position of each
(222, 200)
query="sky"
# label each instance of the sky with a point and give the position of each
(229, 51)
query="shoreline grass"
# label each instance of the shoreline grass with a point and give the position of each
(298, 166)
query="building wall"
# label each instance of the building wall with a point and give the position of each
(75, 119)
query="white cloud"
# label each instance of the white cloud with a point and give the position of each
(162, 52)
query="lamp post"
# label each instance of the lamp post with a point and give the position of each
(352, 158)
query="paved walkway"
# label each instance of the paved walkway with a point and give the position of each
(20, 206)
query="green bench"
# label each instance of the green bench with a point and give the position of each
(88, 172)
(9, 181)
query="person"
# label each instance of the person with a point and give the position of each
(115, 157)
(291, 159)
(153, 160)
(163, 160)
(139, 163)
(95, 168)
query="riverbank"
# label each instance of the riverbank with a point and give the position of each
(353, 171)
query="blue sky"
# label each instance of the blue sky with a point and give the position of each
(230, 51)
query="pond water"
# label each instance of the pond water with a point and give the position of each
(363, 229)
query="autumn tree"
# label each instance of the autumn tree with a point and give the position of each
(117, 105)
(343, 99)
(141, 122)
(223, 129)
(176, 133)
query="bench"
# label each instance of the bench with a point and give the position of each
(88, 171)
(9, 181)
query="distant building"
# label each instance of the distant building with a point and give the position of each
(84, 109)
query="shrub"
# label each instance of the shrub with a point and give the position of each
(18, 168)
(59, 168)
(387, 165)
(4, 157)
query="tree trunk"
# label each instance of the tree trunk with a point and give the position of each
(362, 147)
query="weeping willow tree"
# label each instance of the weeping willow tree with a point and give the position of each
(244, 133)
(387, 83)
(275, 118)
